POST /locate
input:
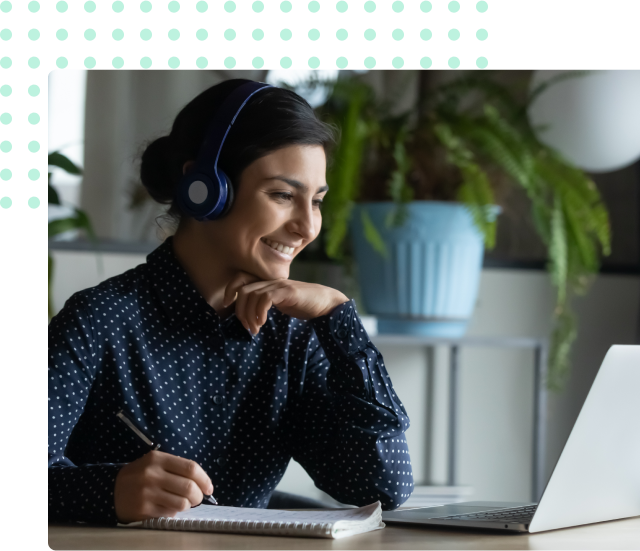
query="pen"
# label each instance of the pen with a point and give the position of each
(120, 415)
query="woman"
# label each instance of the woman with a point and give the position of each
(209, 347)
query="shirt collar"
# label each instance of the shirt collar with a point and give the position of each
(181, 301)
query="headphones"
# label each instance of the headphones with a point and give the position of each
(206, 192)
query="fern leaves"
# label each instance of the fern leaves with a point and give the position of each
(566, 207)
(344, 177)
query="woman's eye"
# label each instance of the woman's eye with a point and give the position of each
(282, 196)
(288, 196)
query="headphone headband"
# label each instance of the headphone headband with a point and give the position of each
(205, 192)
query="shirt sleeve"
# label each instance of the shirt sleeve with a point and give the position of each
(76, 492)
(349, 424)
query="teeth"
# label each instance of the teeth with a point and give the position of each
(279, 247)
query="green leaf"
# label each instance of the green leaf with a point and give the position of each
(558, 263)
(344, 176)
(562, 338)
(54, 199)
(579, 234)
(541, 218)
(337, 232)
(62, 225)
(492, 138)
(399, 190)
(476, 193)
(371, 234)
(63, 162)
(85, 223)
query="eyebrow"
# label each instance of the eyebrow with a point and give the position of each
(297, 183)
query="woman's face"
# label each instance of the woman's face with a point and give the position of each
(276, 212)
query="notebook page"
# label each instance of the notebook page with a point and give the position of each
(218, 512)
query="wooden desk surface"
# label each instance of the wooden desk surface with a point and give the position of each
(619, 534)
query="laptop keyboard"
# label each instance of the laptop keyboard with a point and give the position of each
(515, 515)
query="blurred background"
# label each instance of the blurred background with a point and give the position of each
(494, 216)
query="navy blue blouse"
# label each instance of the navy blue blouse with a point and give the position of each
(146, 341)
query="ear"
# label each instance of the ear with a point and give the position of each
(186, 166)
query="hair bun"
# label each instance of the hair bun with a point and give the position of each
(157, 171)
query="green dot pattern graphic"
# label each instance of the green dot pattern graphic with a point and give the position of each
(285, 62)
(203, 34)
(285, 34)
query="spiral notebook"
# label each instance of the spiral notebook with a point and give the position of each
(329, 523)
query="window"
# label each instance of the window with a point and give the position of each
(67, 92)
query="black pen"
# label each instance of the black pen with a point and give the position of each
(120, 415)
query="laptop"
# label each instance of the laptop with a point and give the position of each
(596, 478)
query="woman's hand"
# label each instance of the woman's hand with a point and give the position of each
(294, 298)
(159, 485)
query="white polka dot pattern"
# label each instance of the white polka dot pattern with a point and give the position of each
(147, 341)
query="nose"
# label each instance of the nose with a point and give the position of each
(303, 222)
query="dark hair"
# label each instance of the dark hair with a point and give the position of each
(271, 119)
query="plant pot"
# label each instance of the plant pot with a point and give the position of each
(428, 283)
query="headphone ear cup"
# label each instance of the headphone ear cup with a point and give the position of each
(230, 193)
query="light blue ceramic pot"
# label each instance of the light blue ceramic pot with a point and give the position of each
(429, 283)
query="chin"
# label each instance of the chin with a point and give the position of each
(267, 273)
(279, 274)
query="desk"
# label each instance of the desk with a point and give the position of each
(540, 353)
(619, 534)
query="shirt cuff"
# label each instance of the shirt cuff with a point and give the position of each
(345, 328)
(83, 493)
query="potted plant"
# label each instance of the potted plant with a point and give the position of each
(441, 162)
(78, 219)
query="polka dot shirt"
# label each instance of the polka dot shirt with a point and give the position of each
(147, 342)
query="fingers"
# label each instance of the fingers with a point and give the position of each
(255, 300)
(158, 484)
(263, 304)
(244, 296)
(182, 488)
(237, 282)
(249, 310)
(188, 469)
(171, 503)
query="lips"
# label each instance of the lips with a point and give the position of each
(277, 254)
(279, 246)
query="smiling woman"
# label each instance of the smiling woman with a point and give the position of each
(213, 351)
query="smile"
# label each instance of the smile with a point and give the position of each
(277, 254)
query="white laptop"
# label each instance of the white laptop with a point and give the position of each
(596, 478)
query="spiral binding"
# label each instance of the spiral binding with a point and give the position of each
(265, 527)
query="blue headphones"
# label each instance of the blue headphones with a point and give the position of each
(206, 192)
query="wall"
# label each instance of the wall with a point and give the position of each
(496, 386)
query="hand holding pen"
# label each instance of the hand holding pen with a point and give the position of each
(158, 484)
